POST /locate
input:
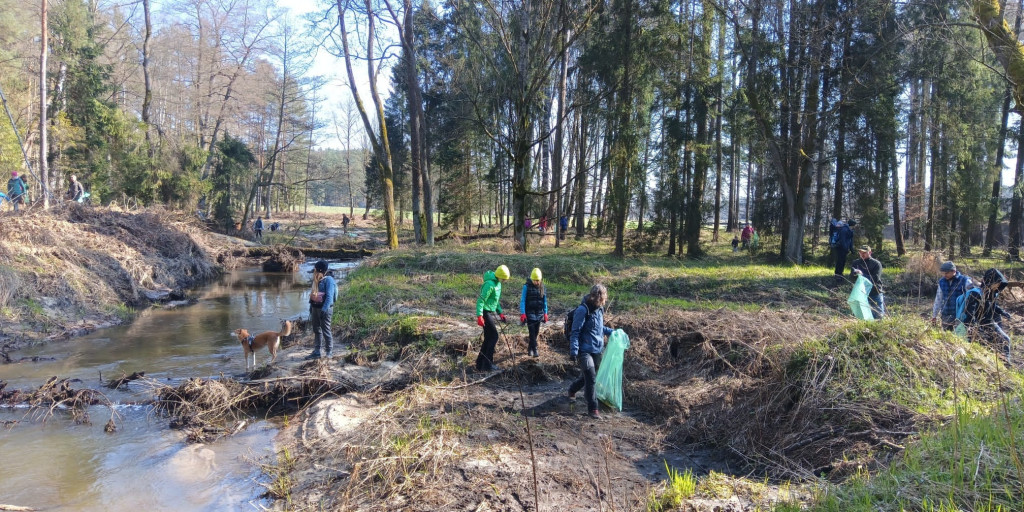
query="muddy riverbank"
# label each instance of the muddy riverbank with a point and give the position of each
(74, 269)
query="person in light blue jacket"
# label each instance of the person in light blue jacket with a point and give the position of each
(533, 308)
(321, 308)
(586, 344)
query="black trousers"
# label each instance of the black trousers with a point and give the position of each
(533, 326)
(320, 320)
(589, 364)
(485, 359)
(840, 257)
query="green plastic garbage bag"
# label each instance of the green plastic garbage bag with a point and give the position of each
(609, 375)
(859, 299)
(960, 330)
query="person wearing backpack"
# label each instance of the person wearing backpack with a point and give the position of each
(841, 241)
(870, 268)
(16, 189)
(321, 309)
(488, 311)
(982, 314)
(257, 227)
(586, 344)
(533, 308)
(951, 286)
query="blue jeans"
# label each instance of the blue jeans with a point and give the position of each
(877, 303)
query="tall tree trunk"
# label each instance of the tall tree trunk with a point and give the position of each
(147, 98)
(378, 138)
(557, 168)
(929, 228)
(44, 175)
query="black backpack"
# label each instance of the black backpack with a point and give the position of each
(567, 326)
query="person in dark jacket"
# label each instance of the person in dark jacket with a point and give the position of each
(76, 192)
(842, 246)
(952, 284)
(258, 228)
(16, 190)
(984, 313)
(870, 268)
(533, 308)
(586, 344)
(321, 308)
(488, 311)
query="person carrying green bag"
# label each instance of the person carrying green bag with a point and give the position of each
(609, 377)
(858, 300)
(586, 344)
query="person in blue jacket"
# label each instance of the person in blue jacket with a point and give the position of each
(841, 240)
(321, 308)
(533, 308)
(984, 313)
(586, 344)
(952, 284)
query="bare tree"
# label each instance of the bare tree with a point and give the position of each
(43, 172)
(379, 137)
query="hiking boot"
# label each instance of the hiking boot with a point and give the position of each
(314, 355)
(594, 414)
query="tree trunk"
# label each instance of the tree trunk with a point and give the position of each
(44, 175)
(379, 138)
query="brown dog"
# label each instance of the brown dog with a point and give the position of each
(253, 342)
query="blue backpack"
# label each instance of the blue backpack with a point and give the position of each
(961, 303)
(837, 228)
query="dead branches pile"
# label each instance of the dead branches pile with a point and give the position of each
(55, 395)
(209, 408)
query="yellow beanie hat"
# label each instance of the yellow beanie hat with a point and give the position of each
(536, 275)
(501, 272)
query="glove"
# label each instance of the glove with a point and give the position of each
(545, 318)
(480, 320)
(503, 319)
(522, 319)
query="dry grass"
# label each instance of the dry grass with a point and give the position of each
(73, 262)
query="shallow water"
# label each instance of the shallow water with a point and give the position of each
(58, 465)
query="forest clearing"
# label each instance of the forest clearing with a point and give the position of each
(750, 382)
(334, 191)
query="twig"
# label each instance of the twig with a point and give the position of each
(526, 415)
(466, 385)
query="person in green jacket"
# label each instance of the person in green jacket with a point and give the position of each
(487, 306)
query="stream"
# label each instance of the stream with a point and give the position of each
(56, 465)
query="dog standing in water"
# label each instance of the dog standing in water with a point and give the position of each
(253, 342)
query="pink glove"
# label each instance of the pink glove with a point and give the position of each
(545, 318)
(522, 319)
(480, 320)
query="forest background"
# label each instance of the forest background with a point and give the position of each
(642, 120)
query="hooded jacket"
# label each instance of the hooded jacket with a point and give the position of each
(984, 309)
(588, 330)
(490, 294)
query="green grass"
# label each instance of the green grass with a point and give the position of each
(969, 464)
(902, 360)
(680, 486)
